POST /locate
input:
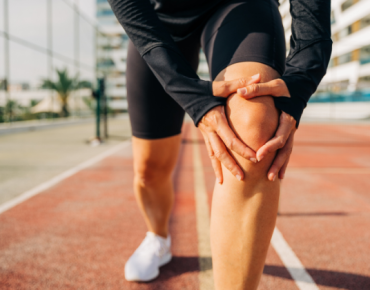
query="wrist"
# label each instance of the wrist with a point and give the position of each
(282, 88)
(285, 118)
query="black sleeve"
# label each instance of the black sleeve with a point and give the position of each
(310, 50)
(160, 52)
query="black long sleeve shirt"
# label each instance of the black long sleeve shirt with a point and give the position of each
(154, 26)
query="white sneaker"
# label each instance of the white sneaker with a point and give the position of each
(144, 263)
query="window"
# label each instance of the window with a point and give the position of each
(347, 4)
(344, 32)
(331, 63)
(105, 12)
(345, 58)
(363, 82)
(365, 54)
(332, 17)
(364, 22)
(105, 62)
(365, 79)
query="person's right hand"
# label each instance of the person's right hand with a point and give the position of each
(218, 135)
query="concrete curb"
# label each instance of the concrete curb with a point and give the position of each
(25, 126)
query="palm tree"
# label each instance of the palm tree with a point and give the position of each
(64, 86)
(10, 109)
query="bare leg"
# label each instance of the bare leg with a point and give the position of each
(244, 212)
(154, 161)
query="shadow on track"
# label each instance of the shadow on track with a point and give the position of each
(336, 279)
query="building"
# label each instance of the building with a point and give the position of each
(349, 68)
(111, 56)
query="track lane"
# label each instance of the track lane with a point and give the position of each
(79, 233)
(325, 211)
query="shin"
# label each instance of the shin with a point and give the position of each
(244, 212)
(154, 161)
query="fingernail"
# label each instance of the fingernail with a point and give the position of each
(218, 180)
(254, 160)
(271, 176)
(238, 177)
(260, 158)
(255, 77)
(242, 91)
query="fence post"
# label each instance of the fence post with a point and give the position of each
(99, 97)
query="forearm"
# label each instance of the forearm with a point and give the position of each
(309, 55)
(303, 74)
(182, 83)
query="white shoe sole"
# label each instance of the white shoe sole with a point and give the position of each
(164, 260)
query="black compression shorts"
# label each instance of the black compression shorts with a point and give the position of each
(238, 31)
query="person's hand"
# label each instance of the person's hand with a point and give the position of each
(219, 136)
(283, 139)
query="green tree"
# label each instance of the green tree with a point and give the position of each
(64, 86)
(10, 109)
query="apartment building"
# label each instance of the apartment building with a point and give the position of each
(111, 56)
(349, 68)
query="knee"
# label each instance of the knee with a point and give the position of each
(151, 174)
(254, 122)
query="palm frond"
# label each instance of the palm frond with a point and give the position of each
(48, 84)
(83, 84)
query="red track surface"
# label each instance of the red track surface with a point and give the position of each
(79, 233)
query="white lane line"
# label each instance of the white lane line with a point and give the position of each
(202, 213)
(294, 266)
(339, 170)
(45, 185)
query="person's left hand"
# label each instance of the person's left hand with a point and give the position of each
(283, 139)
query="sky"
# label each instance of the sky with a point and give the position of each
(28, 21)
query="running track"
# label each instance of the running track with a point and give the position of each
(81, 227)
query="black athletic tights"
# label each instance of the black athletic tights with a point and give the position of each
(239, 31)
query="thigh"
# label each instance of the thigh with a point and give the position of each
(244, 30)
(153, 113)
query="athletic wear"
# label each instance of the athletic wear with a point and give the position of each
(152, 253)
(153, 113)
(150, 25)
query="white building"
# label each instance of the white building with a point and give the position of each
(111, 55)
(349, 68)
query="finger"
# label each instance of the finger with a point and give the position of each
(226, 88)
(276, 88)
(232, 142)
(216, 164)
(283, 169)
(224, 156)
(282, 158)
(290, 147)
(282, 134)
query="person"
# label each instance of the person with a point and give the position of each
(249, 138)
